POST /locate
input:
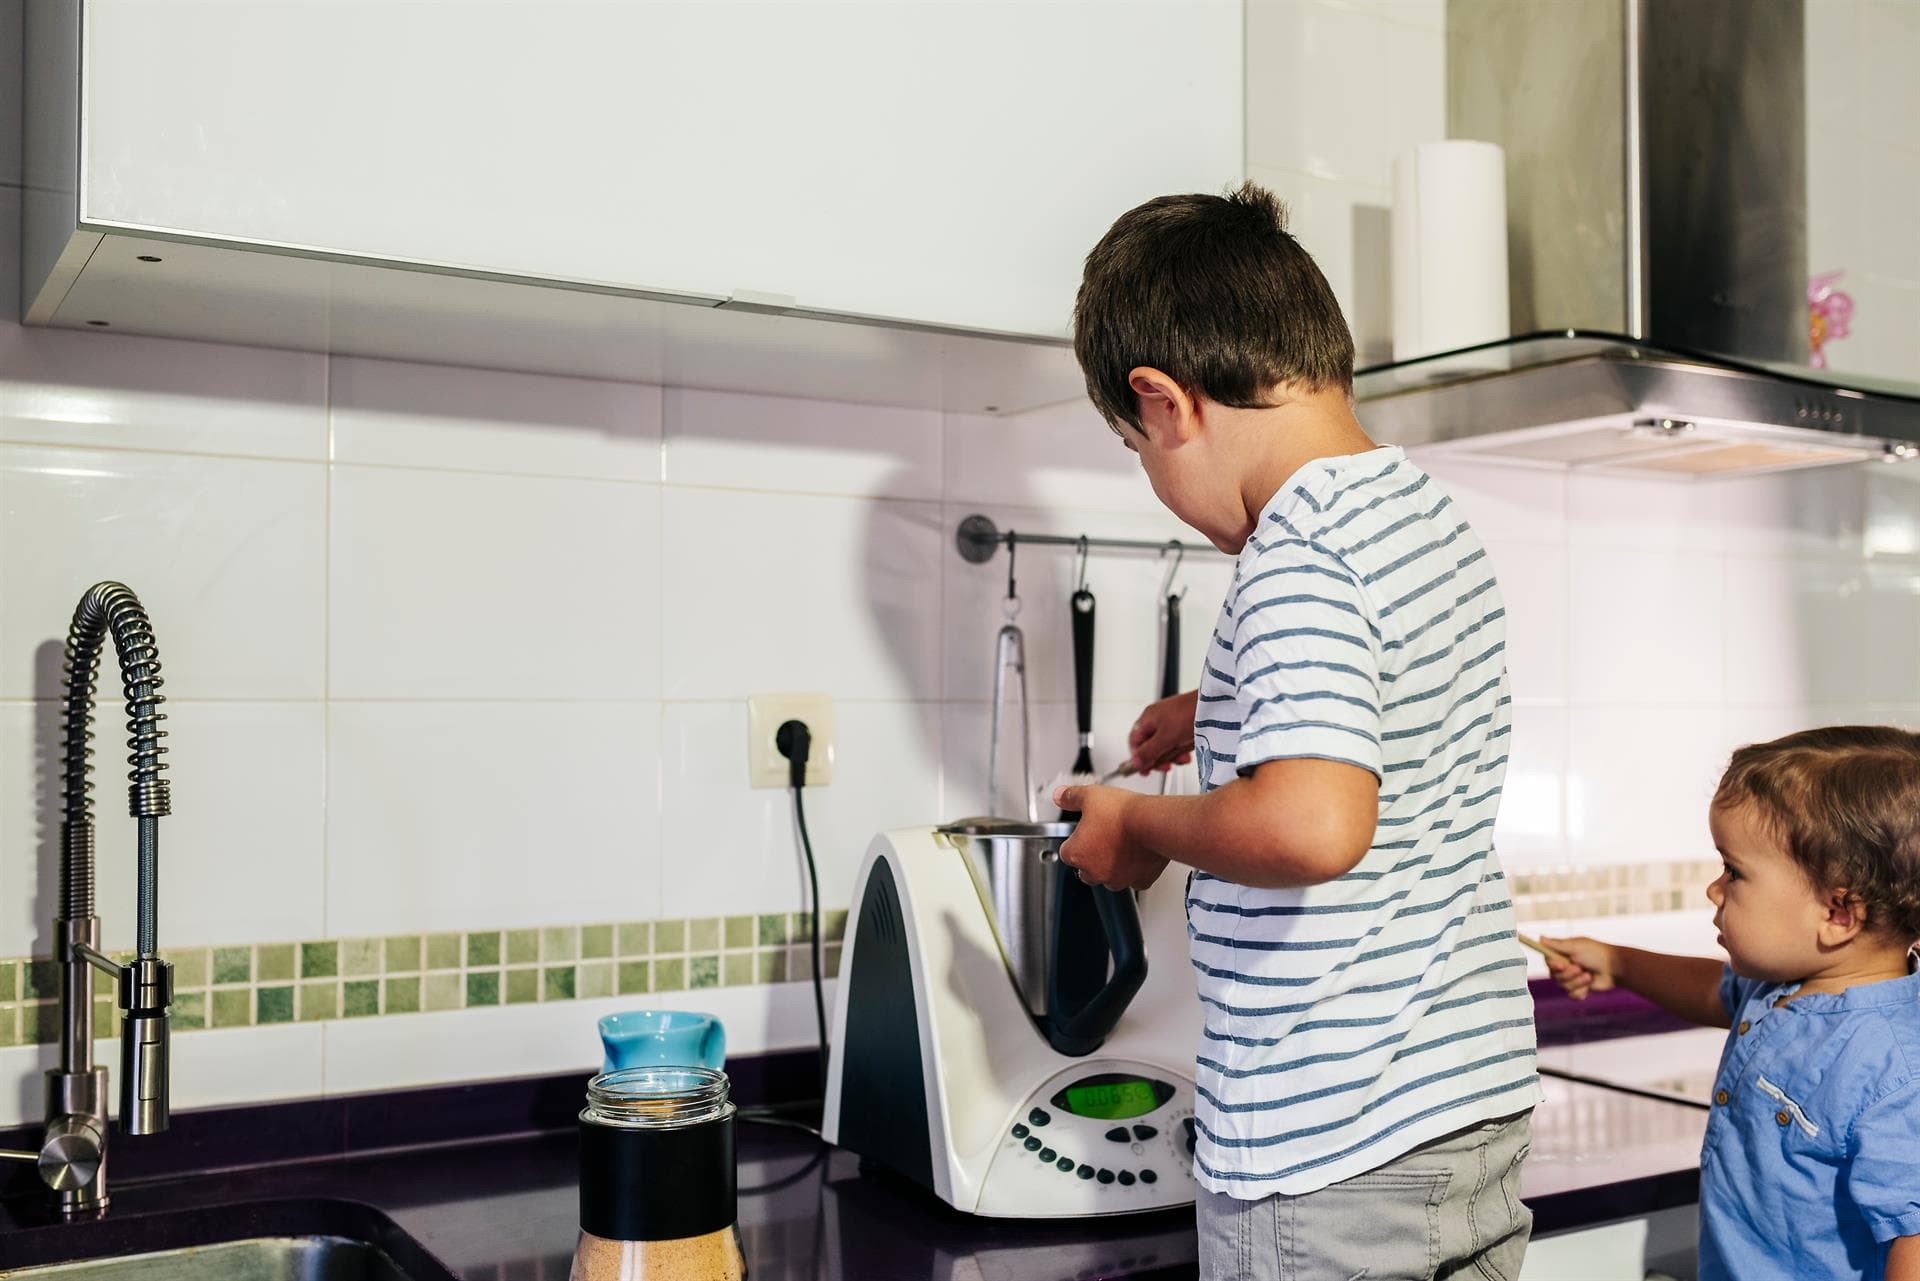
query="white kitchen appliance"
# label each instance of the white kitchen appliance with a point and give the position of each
(965, 1059)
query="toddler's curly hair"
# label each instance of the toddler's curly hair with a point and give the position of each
(1845, 801)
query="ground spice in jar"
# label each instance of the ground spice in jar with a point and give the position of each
(657, 1191)
(713, 1257)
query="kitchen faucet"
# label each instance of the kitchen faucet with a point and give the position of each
(73, 1154)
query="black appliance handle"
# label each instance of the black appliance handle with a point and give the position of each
(1082, 1031)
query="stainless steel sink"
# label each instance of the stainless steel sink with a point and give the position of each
(320, 1239)
(311, 1258)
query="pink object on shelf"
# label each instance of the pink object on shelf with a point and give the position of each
(1829, 315)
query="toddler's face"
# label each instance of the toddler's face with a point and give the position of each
(1767, 911)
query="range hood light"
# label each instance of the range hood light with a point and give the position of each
(1899, 451)
(1664, 428)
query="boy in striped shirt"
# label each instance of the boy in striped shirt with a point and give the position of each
(1366, 1074)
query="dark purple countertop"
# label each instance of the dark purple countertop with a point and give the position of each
(504, 1207)
(505, 1210)
(1558, 1019)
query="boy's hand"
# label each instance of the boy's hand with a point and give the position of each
(1163, 736)
(1590, 965)
(1100, 849)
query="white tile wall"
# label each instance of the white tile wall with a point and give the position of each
(723, 846)
(1638, 781)
(520, 1040)
(248, 816)
(210, 1069)
(1533, 578)
(404, 415)
(238, 546)
(1069, 460)
(450, 585)
(1630, 614)
(64, 388)
(795, 591)
(447, 816)
(727, 440)
(1693, 617)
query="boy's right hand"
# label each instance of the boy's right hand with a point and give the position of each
(1590, 965)
(1163, 736)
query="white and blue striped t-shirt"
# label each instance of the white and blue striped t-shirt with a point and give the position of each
(1350, 1022)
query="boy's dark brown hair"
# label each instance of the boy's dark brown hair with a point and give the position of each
(1212, 292)
(1845, 801)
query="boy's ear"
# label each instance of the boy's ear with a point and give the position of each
(1166, 410)
(1846, 916)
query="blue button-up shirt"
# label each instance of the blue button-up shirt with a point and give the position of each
(1812, 1157)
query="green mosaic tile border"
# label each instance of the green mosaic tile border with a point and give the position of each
(271, 983)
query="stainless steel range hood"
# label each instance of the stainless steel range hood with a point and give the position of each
(1656, 205)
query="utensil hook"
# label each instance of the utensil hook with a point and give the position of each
(1080, 581)
(1011, 605)
(1179, 550)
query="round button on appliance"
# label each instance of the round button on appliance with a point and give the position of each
(1047, 1155)
(1037, 1117)
(1126, 1178)
(1032, 1144)
(1106, 1176)
(1085, 1172)
(1064, 1164)
(1148, 1176)
(1020, 1131)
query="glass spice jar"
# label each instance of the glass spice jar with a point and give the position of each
(657, 1189)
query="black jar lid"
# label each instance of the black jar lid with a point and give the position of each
(657, 1155)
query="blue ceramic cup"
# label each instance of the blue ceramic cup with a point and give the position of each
(662, 1038)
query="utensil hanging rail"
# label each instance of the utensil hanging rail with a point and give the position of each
(978, 538)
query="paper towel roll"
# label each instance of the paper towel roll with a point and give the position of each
(1449, 247)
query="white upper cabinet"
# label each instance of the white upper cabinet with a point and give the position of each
(936, 163)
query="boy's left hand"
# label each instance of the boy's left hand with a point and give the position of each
(1100, 849)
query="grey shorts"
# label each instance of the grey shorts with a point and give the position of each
(1450, 1209)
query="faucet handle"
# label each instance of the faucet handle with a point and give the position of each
(70, 1157)
(146, 990)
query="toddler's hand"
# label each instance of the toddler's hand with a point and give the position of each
(1163, 736)
(1588, 968)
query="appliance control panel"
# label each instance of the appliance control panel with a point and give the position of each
(1101, 1138)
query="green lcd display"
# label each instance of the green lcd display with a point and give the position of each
(1114, 1099)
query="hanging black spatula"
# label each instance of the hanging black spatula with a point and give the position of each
(1081, 606)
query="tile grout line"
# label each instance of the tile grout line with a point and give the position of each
(326, 732)
(660, 665)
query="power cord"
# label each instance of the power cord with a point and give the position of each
(795, 742)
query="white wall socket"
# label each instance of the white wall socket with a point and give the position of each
(766, 767)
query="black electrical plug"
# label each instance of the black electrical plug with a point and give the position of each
(795, 742)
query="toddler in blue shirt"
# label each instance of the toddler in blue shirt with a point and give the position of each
(1809, 1169)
